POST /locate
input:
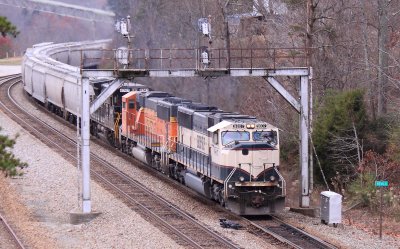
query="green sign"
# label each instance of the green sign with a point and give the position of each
(381, 183)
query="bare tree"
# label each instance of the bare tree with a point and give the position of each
(382, 55)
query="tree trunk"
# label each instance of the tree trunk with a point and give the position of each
(310, 28)
(371, 87)
(382, 56)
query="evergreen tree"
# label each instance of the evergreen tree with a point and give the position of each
(9, 165)
(7, 28)
(339, 131)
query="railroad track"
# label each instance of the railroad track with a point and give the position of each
(286, 234)
(181, 227)
(272, 231)
(8, 238)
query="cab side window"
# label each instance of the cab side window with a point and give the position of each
(131, 104)
(215, 137)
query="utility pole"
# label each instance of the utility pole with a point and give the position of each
(227, 36)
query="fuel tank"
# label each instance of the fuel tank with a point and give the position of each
(196, 183)
(141, 154)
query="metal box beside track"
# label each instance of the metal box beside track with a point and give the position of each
(331, 208)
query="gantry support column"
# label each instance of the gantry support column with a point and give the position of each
(85, 149)
(304, 147)
(302, 108)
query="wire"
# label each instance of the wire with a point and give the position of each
(314, 150)
(319, 163)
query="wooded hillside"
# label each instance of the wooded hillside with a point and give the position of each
(353, 48)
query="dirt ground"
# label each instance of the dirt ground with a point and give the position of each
(360, 217)
(20, 217)
(369, 222)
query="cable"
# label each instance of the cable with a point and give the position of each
(319, 163)
(314, 150)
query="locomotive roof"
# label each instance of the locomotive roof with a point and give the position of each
(226, 123)
(175, 100)
(165, 99)
(194, 106)
(207, 113)
(237, 116)
(218, 126)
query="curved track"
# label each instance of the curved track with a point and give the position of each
(7, 234)
(185, 230)
(172, 220)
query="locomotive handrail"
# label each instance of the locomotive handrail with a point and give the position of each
(116, 130)
(226, 183)
(283, 182)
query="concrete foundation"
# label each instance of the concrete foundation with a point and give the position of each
(312, 212)
(77, 217)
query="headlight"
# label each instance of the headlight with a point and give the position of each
(272, 178)
(241, 179)
(250, 126)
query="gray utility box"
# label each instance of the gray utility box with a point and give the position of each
(331, 208)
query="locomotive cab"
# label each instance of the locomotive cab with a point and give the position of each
(247, 155)
(129, 113)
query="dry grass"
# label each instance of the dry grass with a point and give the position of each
(364, 219)
(11, 61)
(360, 217)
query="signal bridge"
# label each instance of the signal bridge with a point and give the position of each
(68, 66)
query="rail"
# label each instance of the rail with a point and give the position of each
(182, 227)
(13, 235)
(18, 243)
(292, 236)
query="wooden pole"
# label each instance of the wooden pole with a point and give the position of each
(380, 222)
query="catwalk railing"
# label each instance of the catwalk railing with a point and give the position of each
(195, 59)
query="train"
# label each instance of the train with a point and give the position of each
(228, 157)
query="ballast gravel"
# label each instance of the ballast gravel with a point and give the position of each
(38, 204)
(49, 190)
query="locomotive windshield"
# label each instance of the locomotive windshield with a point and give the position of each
(230, 136)
(266, 136)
